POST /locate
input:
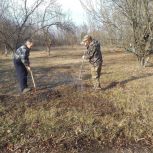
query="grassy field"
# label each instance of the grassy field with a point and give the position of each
(65, 115)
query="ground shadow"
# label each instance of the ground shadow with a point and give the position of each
(122, 83)
(50, 77)
(149, 64)
(47, 77)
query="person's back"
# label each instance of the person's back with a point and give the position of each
(22, 54)
(94, 50)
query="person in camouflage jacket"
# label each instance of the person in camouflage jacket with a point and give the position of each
(94, 56)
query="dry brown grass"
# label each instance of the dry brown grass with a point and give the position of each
(75, 118)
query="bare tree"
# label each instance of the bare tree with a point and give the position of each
(124, 19)
(103, 18)
(26, 18)
(139, 14)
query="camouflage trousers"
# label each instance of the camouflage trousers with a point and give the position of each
(96, 73)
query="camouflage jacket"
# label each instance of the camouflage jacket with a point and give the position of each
(93, 53)
(22, 53)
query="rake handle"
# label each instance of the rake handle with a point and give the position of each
(80, 75)
(32, 79)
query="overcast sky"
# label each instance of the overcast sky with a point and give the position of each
(75, 10)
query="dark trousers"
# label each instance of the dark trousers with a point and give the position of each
(22, 74)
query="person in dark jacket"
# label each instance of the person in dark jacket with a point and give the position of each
(94, 56)
(22, 64)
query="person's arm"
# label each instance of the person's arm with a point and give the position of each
(25, 57)
(90, 52)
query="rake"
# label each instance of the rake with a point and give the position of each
(81, 69)
(33, 81)
(78, 81)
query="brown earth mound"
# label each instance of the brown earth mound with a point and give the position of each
(31, 97)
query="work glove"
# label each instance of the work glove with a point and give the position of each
(28, 68)
(83, 57)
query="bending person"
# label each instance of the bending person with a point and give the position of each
(22, 64)
(94, 55)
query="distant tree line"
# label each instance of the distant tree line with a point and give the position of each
(42, 20)
(122, 23)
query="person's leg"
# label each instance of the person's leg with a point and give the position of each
(96, 73)
(99, 73)
(94, 76)
(24, 77)
(21, 74)
(17, 68)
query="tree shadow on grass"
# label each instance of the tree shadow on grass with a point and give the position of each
(123, 82)
(149, 64)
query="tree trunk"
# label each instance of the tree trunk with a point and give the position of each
(49, 49)
(142, 61)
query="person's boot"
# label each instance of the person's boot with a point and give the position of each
(97, 88)
(26, 90)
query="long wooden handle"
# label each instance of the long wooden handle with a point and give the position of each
(33, 79)
(80, 74)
